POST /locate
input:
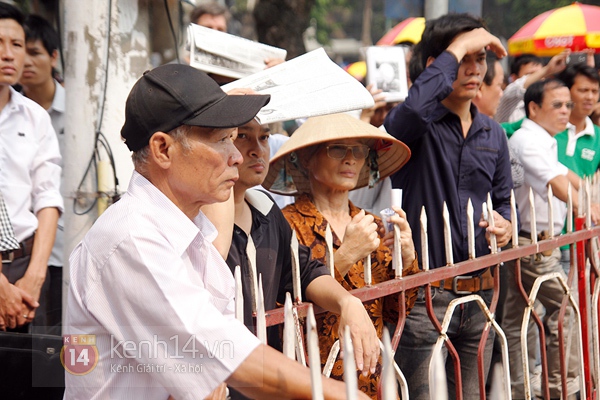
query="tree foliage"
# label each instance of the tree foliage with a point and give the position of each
(343, 19)
(505, 17)
(282, 23)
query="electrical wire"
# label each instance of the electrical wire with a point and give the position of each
(99, 139)
(108, 149)
(105, 83)
(172, 31)
(59, 31)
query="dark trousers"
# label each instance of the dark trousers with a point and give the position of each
(54, 307)
(15, 271)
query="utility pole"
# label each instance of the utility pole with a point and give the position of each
(366, 25)
(106, 49)
(435, 8)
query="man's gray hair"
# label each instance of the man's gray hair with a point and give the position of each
(140, 157)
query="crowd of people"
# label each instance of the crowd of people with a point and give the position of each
(159, 264)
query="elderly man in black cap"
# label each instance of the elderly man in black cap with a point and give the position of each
(149, 293)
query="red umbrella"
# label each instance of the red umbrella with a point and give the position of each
(575, 27)
(410, 30)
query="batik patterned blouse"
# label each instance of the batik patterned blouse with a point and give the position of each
(310, 226)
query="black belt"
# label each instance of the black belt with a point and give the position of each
(24, 250)
(543, 235)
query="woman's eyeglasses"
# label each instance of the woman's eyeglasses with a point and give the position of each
(339, 151)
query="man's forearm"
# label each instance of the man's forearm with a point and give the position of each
(44, 240)
(267, 373)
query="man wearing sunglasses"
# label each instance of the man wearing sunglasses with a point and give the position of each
(548, 108)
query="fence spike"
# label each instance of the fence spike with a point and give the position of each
(296, 269)
(514, 219)
(314, 358)
(471, 229)
(595, 183)
(367, 270)
(580, 202)
(261, 320)
(388, 377)
(550, 212)
(329, 260)
(439, 385)
(588, 203)
(424, 241)
(570, 208)
(300, 356)
(594, 187)
(532, 224)
(251, 254)
(593, 190)
(239, 295)
(289, 339)
(397, 253)
(491, 223)
(447, 235)
(350, 367)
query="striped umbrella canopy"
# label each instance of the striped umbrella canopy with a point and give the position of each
(357, 69)
(575, 27)
(409, 30)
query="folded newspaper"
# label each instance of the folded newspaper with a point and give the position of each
(306, 86)
(386, 70)
(228, 55)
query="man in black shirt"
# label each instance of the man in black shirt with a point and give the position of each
(257, 215)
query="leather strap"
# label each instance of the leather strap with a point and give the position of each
(23, 251)
(466, 284)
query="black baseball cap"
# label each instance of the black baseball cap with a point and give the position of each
(176, 94)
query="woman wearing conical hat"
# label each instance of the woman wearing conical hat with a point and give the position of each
(323, 160)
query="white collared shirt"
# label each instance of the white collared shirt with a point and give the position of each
(538, 153)
(145, 273)
(573, 136)
(57, 114)
(511, 107)
(29, 163)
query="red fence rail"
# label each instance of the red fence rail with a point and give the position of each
(583, 238)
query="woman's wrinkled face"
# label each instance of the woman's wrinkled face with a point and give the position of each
(336, 165)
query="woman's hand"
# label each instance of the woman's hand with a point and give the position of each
(406, 242)
(360, 240)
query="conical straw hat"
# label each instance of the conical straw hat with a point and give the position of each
(288, 178)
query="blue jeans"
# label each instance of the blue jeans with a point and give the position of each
(464, 331)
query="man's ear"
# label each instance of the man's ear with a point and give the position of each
(533, 108)
(479, 93)
(54, 58)
(429, 61)
(161, 146)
